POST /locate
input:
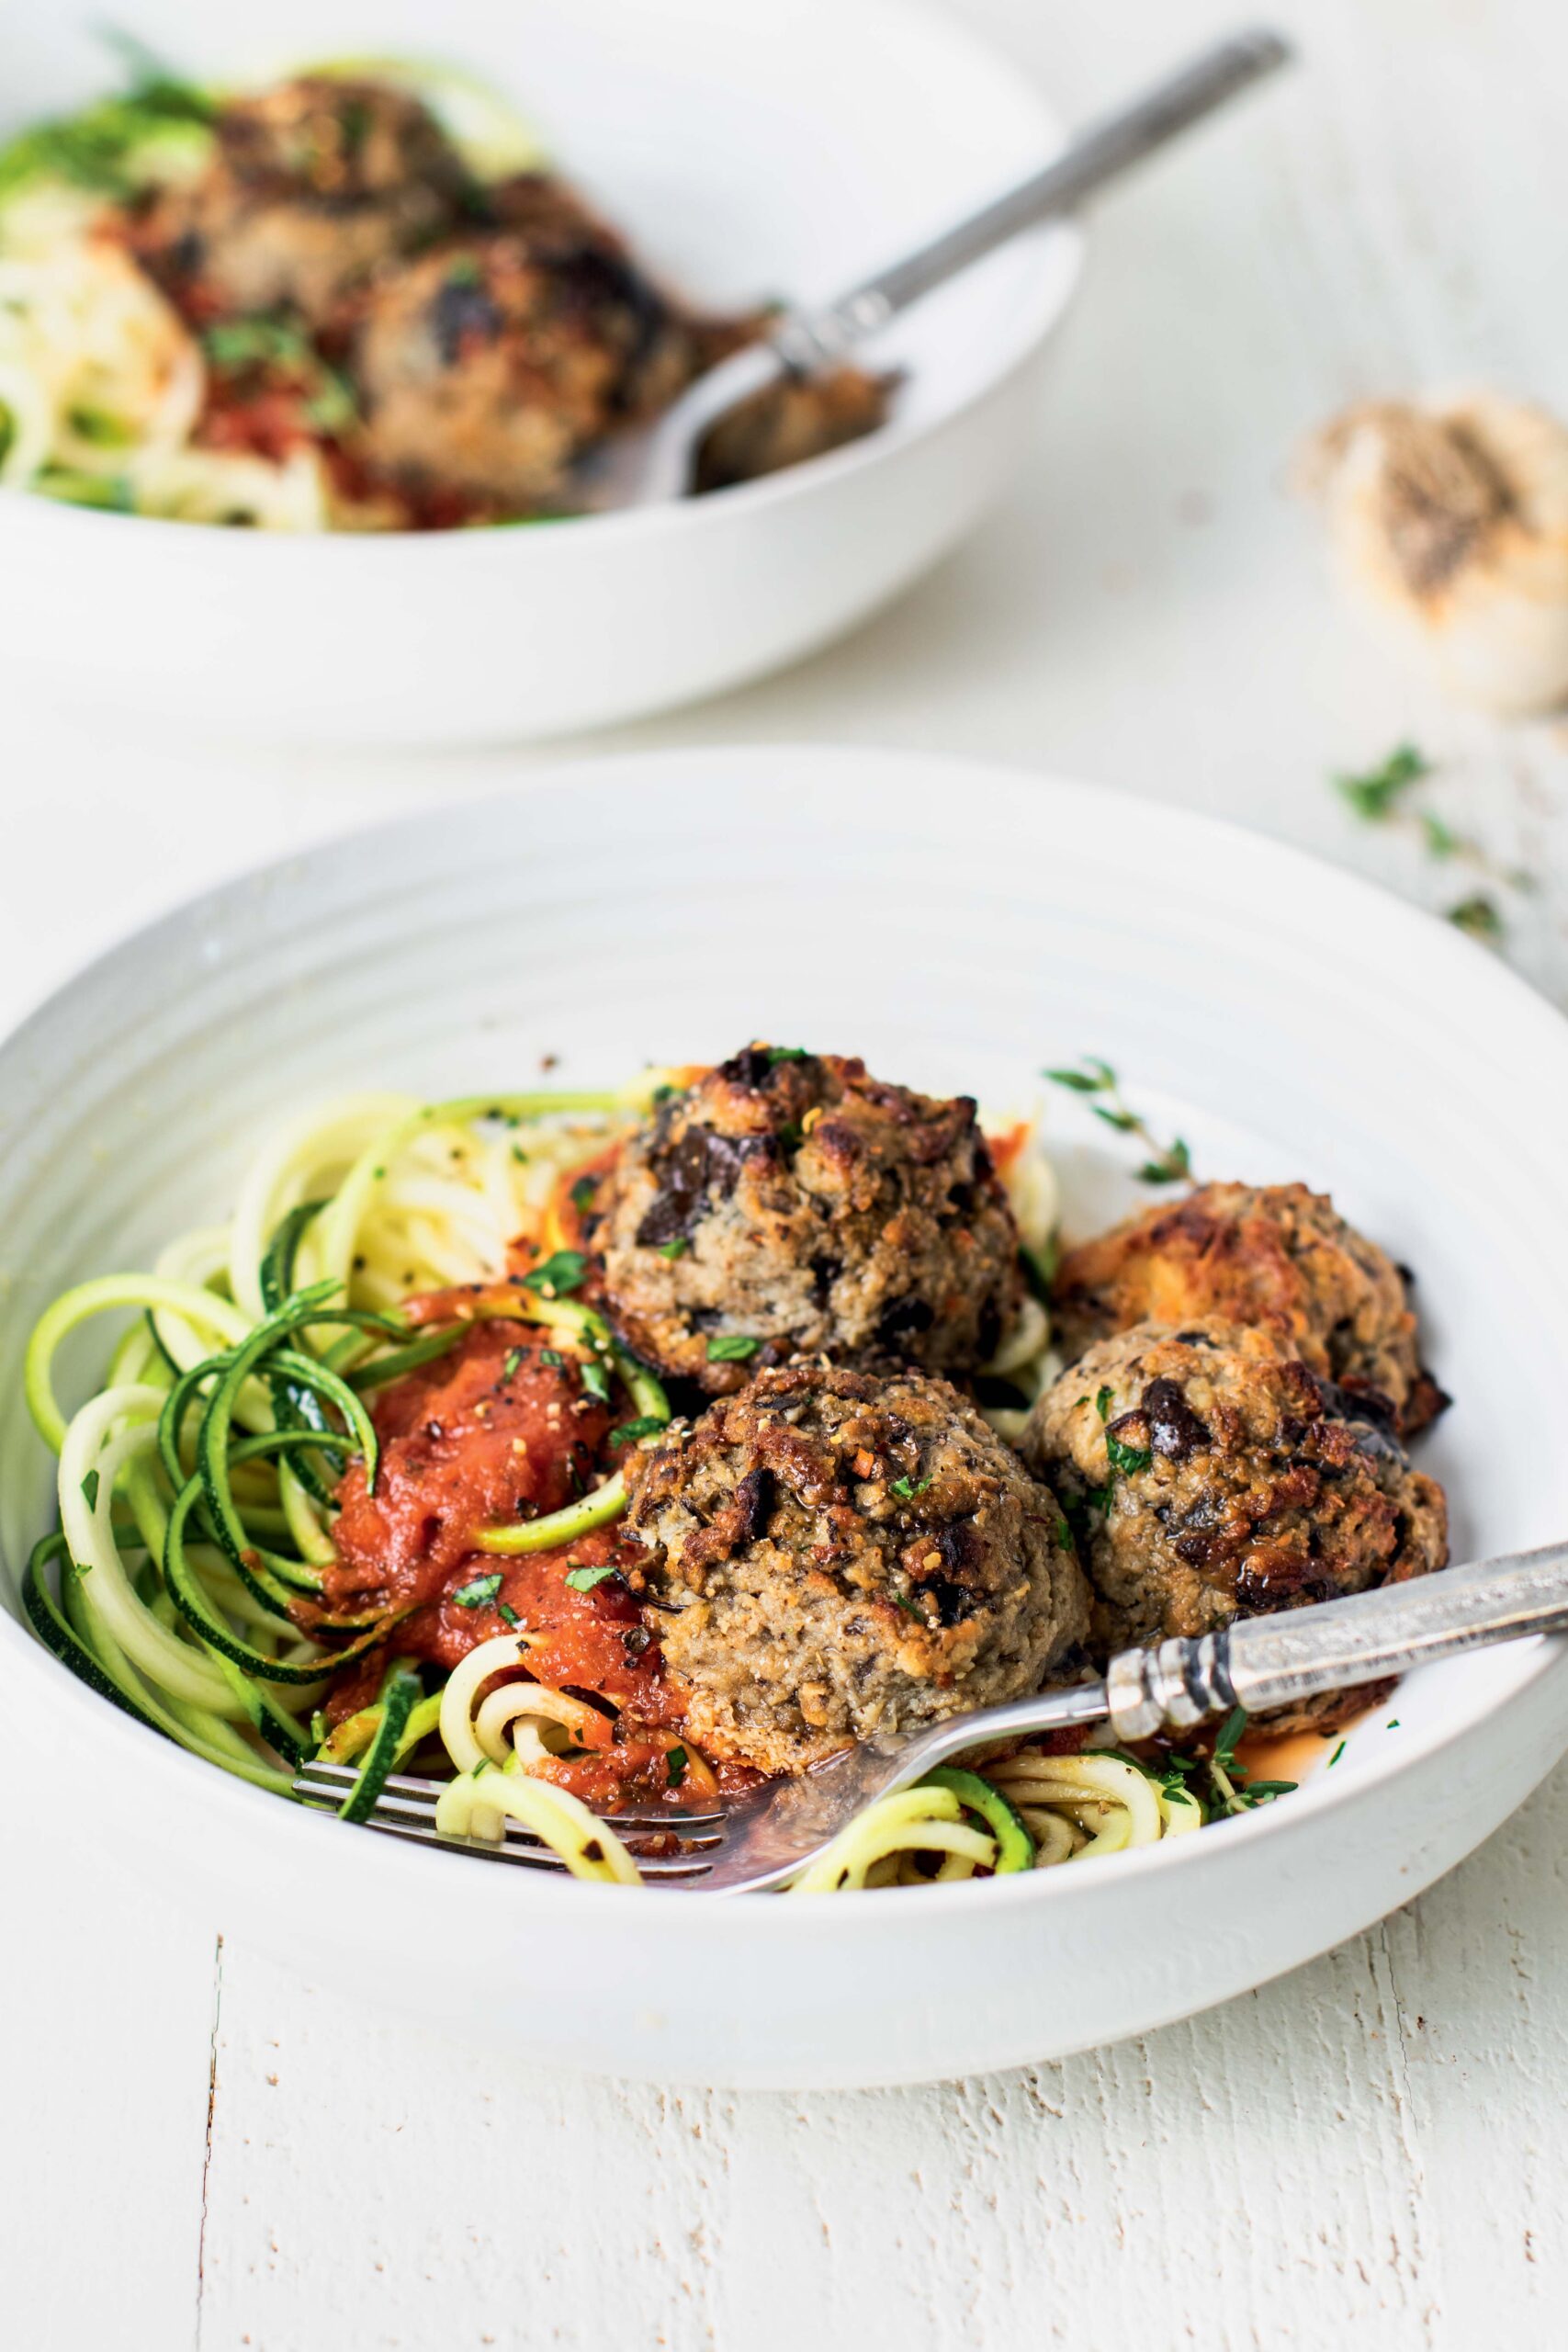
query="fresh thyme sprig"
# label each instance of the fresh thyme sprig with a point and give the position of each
(1379, 798)
(1168, 1163)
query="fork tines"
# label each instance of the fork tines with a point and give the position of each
(406, 1807)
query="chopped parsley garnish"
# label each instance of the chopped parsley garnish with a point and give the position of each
(583, 1194)
(1373, 794)
(1064, 1535)
(595, 1383)
(1392, 1724)
(90, 1488)
(732, 1346)
(1168, 1163)
(584, 1579)
(1336, 1754)
(507, 1614)
(1479, 917)
(777, 1053)
(1103, 1402)
(513, 1358)
(676, 1248)
(553, 1357)
(907, 1488)
(644, 1426)
(477, 1595)
(558, 1274)
(676, 1763)
(1128, 1459)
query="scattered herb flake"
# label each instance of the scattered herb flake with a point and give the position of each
(676, 1764)
(509, 1368)
(1128, 1459)
(595, 1383)
(1336, 1754)
(558, 1274)
(732, 1346)
(676, 1248)
(628, 1432)
(584, 1579)
(507, 1614)
(553, 1357)
(90, 1488)
(1479, 916)
(1372, 796)
(477, 1595)
(907, 1488)
(1103, 1402)
(583, 1194)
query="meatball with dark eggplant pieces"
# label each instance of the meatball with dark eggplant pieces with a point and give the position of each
(494, 362)
(789, 1202)
(313, 185)
(1276, 1256)
(1209, 1475)
(835, 1557)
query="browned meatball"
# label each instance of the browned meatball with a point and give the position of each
(313, 185)
(1211, 1476)
(1276, 1256)
(789, 1202)
(834, 1556)
(491, 364)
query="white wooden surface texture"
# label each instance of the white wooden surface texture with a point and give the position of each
(198, 2150)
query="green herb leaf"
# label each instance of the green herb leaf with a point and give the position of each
(1102, 1401)
(646, 1425)
(1373, 794)
(1336, 1754)
(595, 1383)
(1232, 1731)
(507, 1614)
(553, 1357)
(90, 1488)
(732, 1346)
(558, 1274)
(584, 1579)
(907, 1488)
(1479, 916)
(476, 1595)
(1172, 1167)
(509, 1368)
(676, 1248)
(1128, 1459)
(1123, 1121)
(676, 1762)
(583, 1194)
(777, 1053)
(1078, 1082)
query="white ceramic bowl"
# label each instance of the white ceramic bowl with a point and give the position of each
(749, 150)
(961, 929)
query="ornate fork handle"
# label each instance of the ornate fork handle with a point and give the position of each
(1262, 1662)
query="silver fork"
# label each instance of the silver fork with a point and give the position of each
(763, 1839)
(646, 467)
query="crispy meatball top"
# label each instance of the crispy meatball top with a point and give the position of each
(835, 1556)
(336, 141)
(1210, 1474)
(792, 1200)
(1275, 1256)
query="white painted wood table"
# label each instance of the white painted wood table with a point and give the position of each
(198, 2148)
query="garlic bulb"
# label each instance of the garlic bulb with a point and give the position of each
(1449, 522)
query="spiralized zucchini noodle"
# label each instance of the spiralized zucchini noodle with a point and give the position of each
(186, 1580)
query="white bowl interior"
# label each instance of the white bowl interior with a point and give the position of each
(748, 152)
(961, 932)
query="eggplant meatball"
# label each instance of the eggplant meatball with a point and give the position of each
(314, 184)
(491, 364)
(1209, 1475)
(789, 1202)
(1276, 1256)
(834, 1555)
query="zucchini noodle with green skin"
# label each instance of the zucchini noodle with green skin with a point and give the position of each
(196, 1494)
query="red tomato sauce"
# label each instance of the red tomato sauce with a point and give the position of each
(501, 1429)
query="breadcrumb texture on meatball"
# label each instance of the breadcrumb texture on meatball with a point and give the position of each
(835, 1556)
(314, 183)
(1276, 1256)
(795, 1201)
(1209, 1475)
